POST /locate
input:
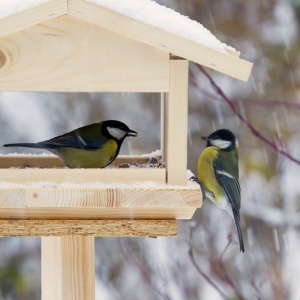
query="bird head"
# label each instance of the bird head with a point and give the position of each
(116, 130)
(224, 139)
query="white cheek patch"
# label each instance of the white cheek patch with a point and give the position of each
(116, 132)
(220, 143)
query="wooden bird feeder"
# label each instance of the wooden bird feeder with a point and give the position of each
(78, 46)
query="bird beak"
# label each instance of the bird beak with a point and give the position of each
(205, 138)
(132, 133)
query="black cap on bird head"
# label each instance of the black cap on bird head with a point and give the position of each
(223, 139)
(116, 130)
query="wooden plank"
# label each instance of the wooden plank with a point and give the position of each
(177, 114)
(88, 227)
(52, 213)
(34, 15)
(68, 268)
(80, 176)
(51, 161)
(69, 55)
(160, 39)
(99, 197)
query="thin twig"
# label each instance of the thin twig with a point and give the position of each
(179, 281)
(136, 265)
(257, 291)
(252, 102)
(256, 133)
(227, 277)
(225, 249)
(191, 254)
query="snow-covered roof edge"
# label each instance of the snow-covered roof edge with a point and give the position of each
(147, 11)
(183, 37)
(159, 16)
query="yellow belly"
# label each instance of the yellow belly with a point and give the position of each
(206, 173)
(77, 158)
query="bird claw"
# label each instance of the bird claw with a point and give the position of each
(203, 189)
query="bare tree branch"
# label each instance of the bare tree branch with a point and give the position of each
(257, 291)
(191, 254)
(146, 277)
(255, 132)
(227, 277)
(253, 102)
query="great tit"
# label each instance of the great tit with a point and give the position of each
(218, 173)
(92, 146)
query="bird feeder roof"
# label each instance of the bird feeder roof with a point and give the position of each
(142, 20)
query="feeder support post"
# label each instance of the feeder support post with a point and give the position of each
(68, 268)
(176, 117)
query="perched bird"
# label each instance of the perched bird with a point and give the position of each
(218, 173)
(92, 146)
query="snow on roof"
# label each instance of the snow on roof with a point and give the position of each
(146, 11)
(10, 7)
(154, 14)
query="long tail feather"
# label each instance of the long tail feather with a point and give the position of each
(238, 228)
(28, 145)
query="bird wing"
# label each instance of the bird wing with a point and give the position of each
(85, 138)
(230, 184)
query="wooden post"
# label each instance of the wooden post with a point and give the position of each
(177, 115)
(163, 102)
(68, 268)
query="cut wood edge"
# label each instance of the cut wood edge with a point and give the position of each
(161, 39)
(231, 51)
(96, 228)
(32, 16)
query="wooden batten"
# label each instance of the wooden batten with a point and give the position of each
(123, 197)
(99, 203)
(163, 125)
(160, 39)
(34, 15)
(81, 176)
(176, 118)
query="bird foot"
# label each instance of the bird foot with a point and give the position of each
(203, 189)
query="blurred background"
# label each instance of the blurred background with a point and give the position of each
(267, 34)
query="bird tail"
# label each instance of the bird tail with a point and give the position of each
(238, 228)
(28, 145)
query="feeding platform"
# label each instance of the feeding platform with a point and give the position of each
(95, 46)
